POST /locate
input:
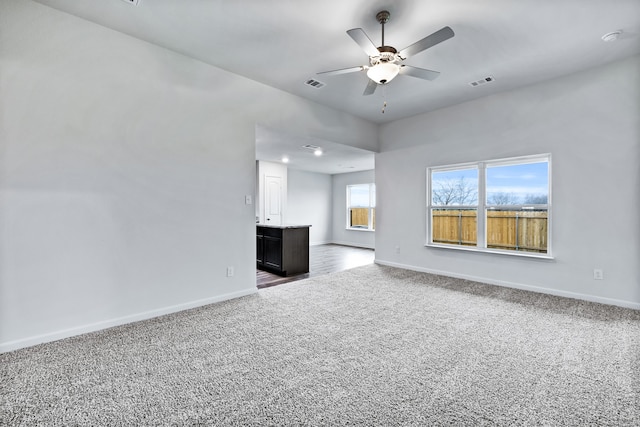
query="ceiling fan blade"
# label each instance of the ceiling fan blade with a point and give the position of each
(359, 36)
(371, 87)
(342, 71)
(420, 73)
(438, 37)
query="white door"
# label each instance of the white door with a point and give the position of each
(273, 200)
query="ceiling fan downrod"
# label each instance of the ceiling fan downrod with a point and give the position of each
(383, 18)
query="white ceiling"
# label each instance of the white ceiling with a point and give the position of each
(283, 43)
(272, 145)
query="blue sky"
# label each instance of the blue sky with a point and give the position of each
(447, 181)
(360, 195)
(518, 180)
(468, 175)
(521, 180)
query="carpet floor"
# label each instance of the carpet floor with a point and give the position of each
(369, 346)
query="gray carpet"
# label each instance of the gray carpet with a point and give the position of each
(369, 346)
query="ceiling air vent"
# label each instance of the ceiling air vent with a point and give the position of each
(314, 83)
(481, 82)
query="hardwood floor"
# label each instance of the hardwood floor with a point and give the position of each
(323, 259)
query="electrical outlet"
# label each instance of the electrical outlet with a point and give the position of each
(230, 271)
(598, 274)
(397, 249)
(247, 200)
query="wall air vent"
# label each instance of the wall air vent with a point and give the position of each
(488, 79)
(133, 2)
(314, 83)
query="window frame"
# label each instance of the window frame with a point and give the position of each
(483, 207)
(370, 208)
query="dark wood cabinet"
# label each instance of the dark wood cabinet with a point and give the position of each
(283, 250)
(259, 248)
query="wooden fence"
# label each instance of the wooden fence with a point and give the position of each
(514, 230)
(359, 218)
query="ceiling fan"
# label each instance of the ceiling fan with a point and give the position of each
(385, 62)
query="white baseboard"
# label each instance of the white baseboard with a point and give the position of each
(327, 242)
(92, 327)
(550, 291)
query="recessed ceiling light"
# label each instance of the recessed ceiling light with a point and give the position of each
(285, 159)
(316, 150)
(612, 36)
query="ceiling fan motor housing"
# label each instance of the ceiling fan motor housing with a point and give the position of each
(384, 57)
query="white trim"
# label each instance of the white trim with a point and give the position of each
(456, 166)
(481, 217)
(97, 326)
(538, 289)
(320, 243)
(480, 250)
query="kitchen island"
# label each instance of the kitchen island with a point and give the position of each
(282, 249)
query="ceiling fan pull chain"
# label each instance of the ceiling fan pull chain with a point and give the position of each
(384, 98)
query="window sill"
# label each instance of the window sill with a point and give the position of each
(359, 229)
(491, 251)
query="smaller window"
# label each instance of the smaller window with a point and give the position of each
(361, 207)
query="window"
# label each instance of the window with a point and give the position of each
(454, 206)
(493, 206)
(361, 207)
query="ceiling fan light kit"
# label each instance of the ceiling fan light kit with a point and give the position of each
(383, 72)
(386, 62)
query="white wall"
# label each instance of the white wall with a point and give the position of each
(310, 203)
(342, 236)
(589, 122)
(123, 172)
